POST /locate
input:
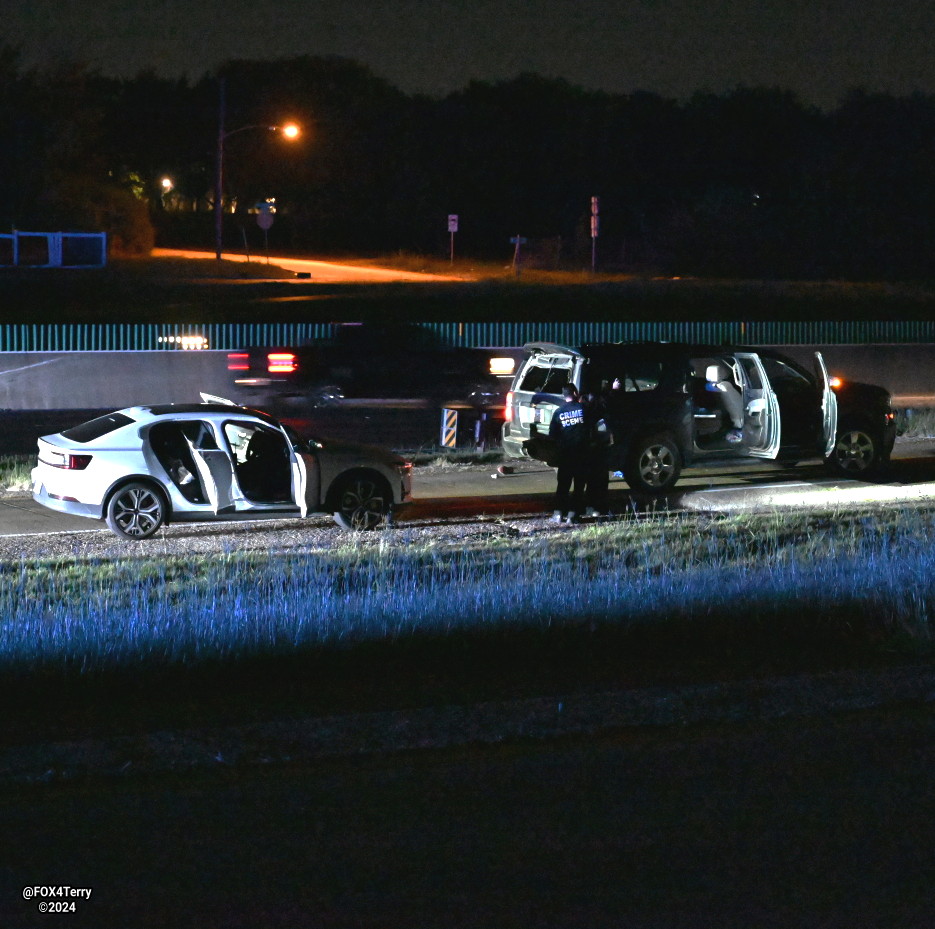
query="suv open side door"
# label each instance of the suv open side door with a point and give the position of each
(762, 426)
(829, 406)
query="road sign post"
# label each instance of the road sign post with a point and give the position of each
(517, 240)
(595, 225)
(452, 229)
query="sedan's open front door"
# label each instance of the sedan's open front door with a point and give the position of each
(761, 426)
(306, 475)
(829, 406)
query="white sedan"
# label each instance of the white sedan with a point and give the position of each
(147, 465)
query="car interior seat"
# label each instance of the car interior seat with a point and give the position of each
(719, 380)
(167, 441)
(265, 474)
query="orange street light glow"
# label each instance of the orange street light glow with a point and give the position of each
(290, 131)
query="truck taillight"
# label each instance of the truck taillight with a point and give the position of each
(508, 413)
(238, 361)
(281, 363)
(502, 367)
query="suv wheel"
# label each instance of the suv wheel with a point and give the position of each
(857, 452)
(654, 464)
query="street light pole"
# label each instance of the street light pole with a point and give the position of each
(289, 130)
(219, 171)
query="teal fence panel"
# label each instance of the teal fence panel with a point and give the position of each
(117, 337)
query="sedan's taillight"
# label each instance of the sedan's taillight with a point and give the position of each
(281, 363)
(66, 461)
(508, 414)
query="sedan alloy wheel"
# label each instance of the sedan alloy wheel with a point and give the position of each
(136, 511)
(361, 502)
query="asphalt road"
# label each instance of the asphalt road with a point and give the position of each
(323, 272)
(481, 491)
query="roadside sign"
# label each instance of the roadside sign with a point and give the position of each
(264, 214)
(449, 430)
(452, 229)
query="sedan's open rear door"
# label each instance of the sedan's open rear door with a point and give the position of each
(829, 406)
(216, 471)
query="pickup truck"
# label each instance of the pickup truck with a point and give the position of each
(372, 364)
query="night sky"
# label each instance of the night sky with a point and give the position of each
(818, 48)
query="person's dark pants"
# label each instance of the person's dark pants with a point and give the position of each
(572, 470)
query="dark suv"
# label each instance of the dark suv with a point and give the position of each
(669, 405)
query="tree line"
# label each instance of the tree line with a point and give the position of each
(752, 182)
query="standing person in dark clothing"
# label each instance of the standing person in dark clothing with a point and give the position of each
(570, 430)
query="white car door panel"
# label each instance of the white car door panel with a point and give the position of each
(216, 471)
(306, 482)
(762, 426)
(829, 405)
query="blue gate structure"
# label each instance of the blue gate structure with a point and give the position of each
(54, 249)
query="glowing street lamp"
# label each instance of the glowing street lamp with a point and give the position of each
(289, 130)
(167, 186)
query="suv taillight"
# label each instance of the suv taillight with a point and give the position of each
(238, 361)
(508, 413)
(281, 363)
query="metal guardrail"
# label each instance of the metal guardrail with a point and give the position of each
(115, 337)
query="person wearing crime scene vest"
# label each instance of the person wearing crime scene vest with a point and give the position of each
(570, 431)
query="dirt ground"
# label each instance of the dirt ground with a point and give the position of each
(825, 821)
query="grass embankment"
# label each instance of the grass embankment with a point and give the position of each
(387, 620)
(202, 291)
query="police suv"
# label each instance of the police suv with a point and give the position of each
(670, 405)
